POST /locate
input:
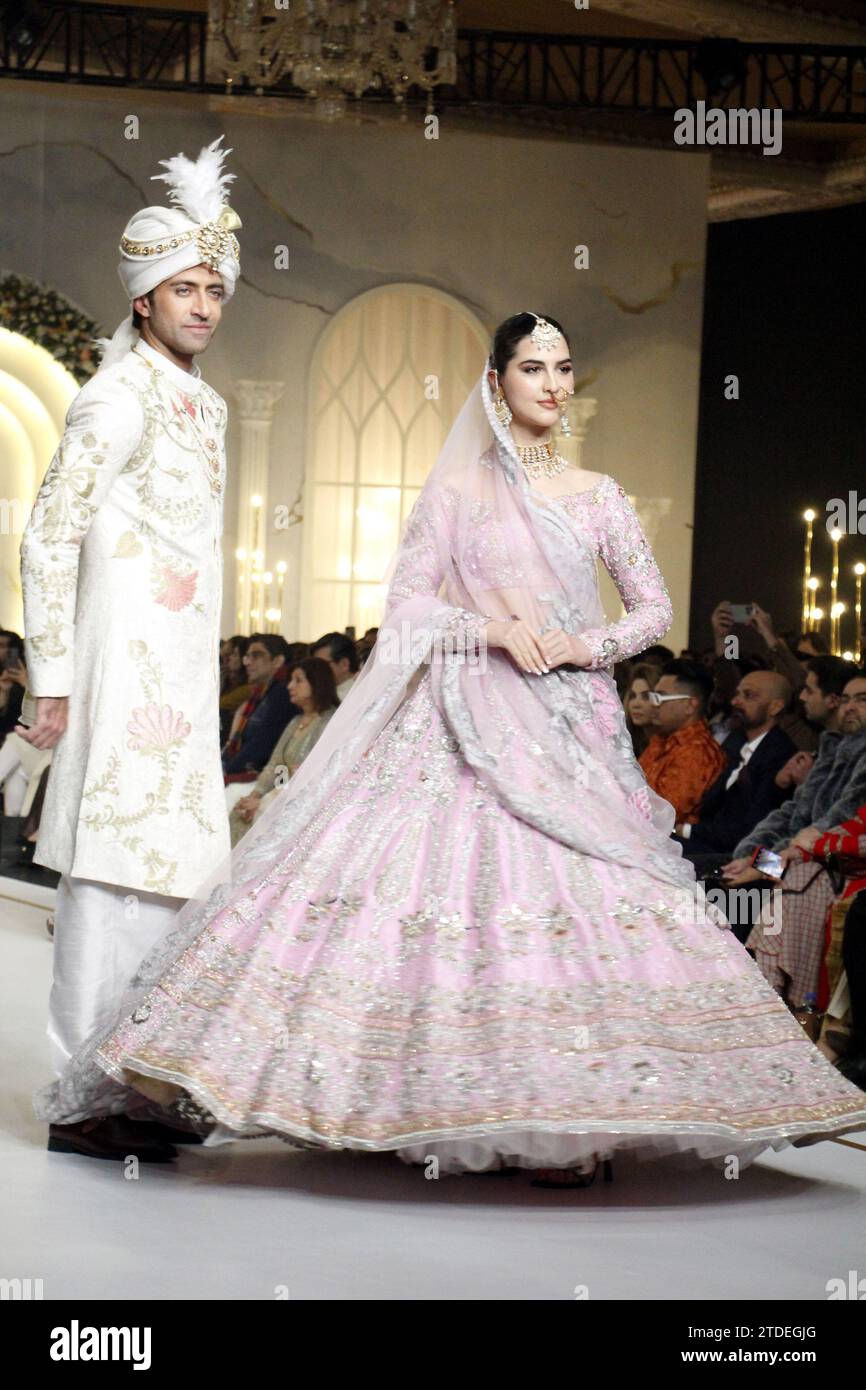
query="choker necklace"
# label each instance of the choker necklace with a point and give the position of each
(541, 460)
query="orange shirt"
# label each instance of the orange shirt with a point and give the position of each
(682, 766)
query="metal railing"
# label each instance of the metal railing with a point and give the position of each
(53, 41)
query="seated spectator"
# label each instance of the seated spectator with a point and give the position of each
(721, 717)
(13, 678)
(852, 1062)
(263, 717)
(639, 713)
(342, 655)
(827, 796)
(803, 734)
(234, 682)
(682, 759)
(747, 787)
(20, 762)
(837, 775)
(365, 644)
(790, 955)
(312, 690)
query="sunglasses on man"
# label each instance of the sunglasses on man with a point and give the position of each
(656, 699)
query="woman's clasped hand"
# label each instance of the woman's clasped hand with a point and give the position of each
(537, 653)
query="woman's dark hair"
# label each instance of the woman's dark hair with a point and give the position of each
(275, 644)
(239, 643)
(322, 684)
(509, 334)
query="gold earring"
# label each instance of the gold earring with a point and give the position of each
(501, 409)
(564, 426)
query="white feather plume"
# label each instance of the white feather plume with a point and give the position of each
(198, 187)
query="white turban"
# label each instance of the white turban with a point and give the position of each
(158, 242)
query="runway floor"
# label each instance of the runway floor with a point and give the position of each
(256, 1221)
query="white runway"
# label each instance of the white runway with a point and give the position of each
(244, 1221)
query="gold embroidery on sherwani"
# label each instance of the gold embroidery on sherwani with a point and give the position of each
(122, 575)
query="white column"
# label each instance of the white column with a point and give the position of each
(256, 400)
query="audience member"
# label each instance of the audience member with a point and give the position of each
(682, 759)
(264, 715)
(312, 690)
(342, 655)
(639, 713)
(747, 788)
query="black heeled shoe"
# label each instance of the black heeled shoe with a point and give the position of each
(577, 1178)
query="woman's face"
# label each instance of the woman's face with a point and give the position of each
(637, 705)
(233, 660)
(300, 690)
(531, 381)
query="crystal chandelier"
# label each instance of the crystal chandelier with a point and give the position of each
(334, 49)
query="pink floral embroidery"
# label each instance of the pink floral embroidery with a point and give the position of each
(187, 405)
(177, 589)
(155, 729)
(608, 713)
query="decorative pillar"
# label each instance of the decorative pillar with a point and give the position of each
(256, 400)
(580, 411)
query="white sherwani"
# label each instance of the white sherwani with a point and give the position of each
(122, 573)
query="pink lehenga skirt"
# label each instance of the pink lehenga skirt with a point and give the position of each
(422, 971)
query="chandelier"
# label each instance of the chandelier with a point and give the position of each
(335, 49)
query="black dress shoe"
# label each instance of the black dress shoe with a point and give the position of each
(167, 1133)
(108, 1137)
(572, 1177)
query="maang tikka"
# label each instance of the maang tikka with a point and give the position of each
(546, 335)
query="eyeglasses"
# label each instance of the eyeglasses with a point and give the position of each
(656, 699)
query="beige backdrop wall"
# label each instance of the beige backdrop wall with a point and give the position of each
(490, 220)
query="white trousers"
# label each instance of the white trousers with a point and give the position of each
(102, 932)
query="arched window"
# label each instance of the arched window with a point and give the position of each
(388, 378)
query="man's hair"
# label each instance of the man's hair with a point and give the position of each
(695, 680)
(276, 645)
(339, 646)
(656, 653)
(832, 673)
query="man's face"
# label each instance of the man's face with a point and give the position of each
(186, 310)
(816, 704)
(340, 668)
(752, 701)
(852, 707)
(672, 714)
(259, 663)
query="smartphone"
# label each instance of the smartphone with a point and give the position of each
(741, 612)
(769, 862)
